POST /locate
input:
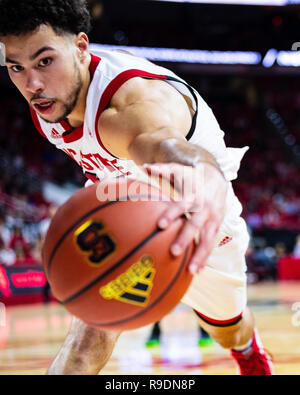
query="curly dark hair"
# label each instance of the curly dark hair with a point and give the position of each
(64, 16)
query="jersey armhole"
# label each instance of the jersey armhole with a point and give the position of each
(194, 119)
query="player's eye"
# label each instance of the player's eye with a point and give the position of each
(17, 68)
(45, 62)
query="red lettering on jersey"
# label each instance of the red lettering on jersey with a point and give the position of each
(120, 168)
(97, 158)
(84, 163)
(90, 162)
(105, 162)
(90, 158)
(111, 165)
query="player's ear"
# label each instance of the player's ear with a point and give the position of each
(82, 44)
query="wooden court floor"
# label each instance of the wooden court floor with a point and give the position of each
(33, 335)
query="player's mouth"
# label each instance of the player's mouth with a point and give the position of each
(44, 106)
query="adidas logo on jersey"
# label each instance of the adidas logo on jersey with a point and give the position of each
(226, 240)
(55, 134)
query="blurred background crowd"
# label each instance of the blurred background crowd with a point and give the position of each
(256, 108)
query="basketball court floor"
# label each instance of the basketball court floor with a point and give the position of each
(33, 335)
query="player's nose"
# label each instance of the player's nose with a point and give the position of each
(34, 82)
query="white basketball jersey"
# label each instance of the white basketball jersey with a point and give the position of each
(109, 70)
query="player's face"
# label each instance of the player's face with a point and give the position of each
(46, 69)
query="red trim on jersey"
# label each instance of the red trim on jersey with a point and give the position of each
(73, 136)
(91, 177)
(219, 322)
(65, 125)
(36, 122)
(112, 88)
(94, 64)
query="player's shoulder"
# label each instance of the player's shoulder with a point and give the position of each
(140, 89)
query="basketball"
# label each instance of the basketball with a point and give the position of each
(107, 261)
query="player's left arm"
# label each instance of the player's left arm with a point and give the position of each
(147, 122)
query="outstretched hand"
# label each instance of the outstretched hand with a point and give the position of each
(201, 196)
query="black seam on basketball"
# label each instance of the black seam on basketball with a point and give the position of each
(61, 240)
(77, 223)
(111, 269)
(166, 291)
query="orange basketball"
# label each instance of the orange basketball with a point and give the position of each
(108, 263)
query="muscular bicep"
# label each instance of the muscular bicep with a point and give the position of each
(147, 110)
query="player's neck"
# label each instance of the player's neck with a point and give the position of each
(76, 118)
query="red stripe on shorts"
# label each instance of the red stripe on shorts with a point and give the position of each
(214, 322)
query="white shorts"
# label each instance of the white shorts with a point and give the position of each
(219, 292)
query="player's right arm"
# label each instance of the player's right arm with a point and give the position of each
(147, 122)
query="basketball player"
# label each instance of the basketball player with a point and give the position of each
(110, 112)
